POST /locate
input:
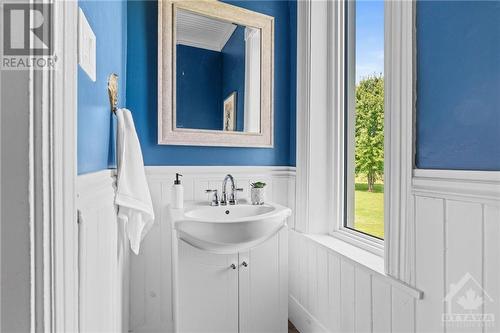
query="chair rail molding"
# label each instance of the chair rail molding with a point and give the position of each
(471, 186)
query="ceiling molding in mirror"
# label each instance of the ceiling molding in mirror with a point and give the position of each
(208, 27)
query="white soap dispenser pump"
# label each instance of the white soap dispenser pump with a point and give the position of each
(177, 199)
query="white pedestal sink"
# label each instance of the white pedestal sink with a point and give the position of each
(227, 229)
(230, 268)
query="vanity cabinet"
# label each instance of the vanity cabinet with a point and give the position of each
(249, 297)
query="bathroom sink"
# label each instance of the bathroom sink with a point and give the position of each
(227, 229)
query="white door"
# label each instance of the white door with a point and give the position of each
(263, 287)
(208, 291)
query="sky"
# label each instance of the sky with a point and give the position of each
(369, 38)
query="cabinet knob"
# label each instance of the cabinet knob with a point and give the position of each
(233, 266)
(244, 264)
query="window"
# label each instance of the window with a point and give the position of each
(327, 75)
(364, 128)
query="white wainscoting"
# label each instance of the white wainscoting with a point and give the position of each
(457, 221)
(103, 270)
(150, 274)
(330, 292)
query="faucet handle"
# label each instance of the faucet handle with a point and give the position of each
(215, 197)
(234, 199)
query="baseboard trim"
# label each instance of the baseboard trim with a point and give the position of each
(302, 319)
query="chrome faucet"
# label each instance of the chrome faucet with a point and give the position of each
(215, 197)
(231, 198)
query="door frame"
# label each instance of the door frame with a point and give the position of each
(53, 171)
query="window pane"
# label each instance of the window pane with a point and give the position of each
(365, 117)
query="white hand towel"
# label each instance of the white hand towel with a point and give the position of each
(135, 208)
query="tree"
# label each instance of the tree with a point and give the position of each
(369, 126)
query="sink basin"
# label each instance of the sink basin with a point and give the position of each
(228, 229)
(228, 213)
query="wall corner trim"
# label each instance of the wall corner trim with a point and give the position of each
(399, 141)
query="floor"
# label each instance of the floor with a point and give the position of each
(291, 328)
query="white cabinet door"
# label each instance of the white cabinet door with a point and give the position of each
(263, 287)
(208, 291)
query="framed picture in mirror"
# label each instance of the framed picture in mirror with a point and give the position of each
(230, 112)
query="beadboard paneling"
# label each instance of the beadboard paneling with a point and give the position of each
(103, 270)
(357, 299)
(150, 274)
(457, 231)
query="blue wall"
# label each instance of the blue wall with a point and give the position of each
(458, 117)
(458, 92)
(142, 92)
(199, 88)
(108, 20)
(233, 72)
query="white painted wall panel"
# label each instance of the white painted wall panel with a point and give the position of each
(334, 292)
(347, 297)
(464, 251)
(312, 279)
(429, 221)
(363, 301)
(103, 272)
(303, 273)
(381, 300)
(492, 265)
(322, 285)
(403, 312)
(293, 267)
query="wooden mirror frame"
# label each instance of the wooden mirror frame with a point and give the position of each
(168, 133)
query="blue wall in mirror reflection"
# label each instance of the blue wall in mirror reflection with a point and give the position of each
(199, 86)
(205, 78)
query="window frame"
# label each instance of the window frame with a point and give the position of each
(320, 135)
(344, 140)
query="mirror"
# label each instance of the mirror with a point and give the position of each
(215, 75)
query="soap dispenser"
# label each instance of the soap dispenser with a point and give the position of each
(177, 198)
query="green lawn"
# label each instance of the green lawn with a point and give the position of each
(369, 210)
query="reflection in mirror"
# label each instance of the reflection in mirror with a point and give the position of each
(218, 74)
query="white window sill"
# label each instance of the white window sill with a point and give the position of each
(361, 241)
(363, 259)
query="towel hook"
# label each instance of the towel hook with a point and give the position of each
(113, 91)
